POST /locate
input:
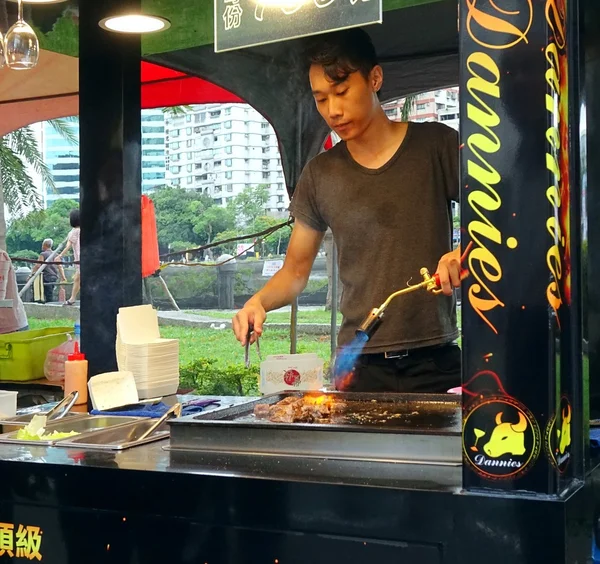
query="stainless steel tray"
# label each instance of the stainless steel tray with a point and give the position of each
(117, 438)
(419, 428)
(15, 423)
(80, 425)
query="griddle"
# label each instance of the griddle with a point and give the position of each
(409, 428)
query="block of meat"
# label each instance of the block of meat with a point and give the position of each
(286, 411)
(289, 399)
(338, 407)
(261, 411)
(312, 412)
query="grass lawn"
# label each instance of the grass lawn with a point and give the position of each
(221, 345)
(196, 342)
(320, 316)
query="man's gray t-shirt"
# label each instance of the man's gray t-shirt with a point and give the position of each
(388, 223)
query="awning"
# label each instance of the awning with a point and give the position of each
(51, 91)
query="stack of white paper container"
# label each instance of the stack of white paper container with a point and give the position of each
(153, 361)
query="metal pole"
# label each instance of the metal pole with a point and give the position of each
(42, 268)
(334, 300)
(294, 327)
(298, 166)
(169, 295)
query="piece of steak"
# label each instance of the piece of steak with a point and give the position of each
(286, 411)
(262, 410)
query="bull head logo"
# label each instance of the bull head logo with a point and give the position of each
(564, 434)
(507, 438)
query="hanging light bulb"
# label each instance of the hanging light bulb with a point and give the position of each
(134, 23)
(22, 48)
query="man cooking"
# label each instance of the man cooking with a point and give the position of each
(385, 191)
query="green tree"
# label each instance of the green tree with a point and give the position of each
(28, 232)
(17, 190)
(211, 221)
(407, 108)
(176, 217)
(276, 243)
(249, 205)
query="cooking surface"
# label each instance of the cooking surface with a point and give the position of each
(154, 457)
(397, 428)
(375, 412)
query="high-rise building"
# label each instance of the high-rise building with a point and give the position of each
(222, 149)
(440, 105)
(153, 149)
(62, 157)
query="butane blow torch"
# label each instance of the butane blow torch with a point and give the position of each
(431, 283)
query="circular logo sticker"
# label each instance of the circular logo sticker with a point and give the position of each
(558, 436)
(501, 438)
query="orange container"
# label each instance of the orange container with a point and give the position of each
(150, 260)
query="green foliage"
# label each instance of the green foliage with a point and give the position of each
(186, 282)
(249, 205)
(17, 150)
(408, 107)
(181, 246)
(314, 286)
(227, 247)
(242, 283)
(64, 37)
(211, 221)
(29, 231)
(26, 253)
(205, 378)
(184, 215)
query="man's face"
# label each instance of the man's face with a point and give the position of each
(347, 107)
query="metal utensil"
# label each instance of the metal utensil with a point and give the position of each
(173, 411)
(247, 351)
(62, 407)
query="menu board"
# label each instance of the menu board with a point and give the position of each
(245, 23)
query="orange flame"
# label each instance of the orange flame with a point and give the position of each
(342, 382)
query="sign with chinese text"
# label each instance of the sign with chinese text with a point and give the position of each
(20, 542)
(271, 267)
(244, 23)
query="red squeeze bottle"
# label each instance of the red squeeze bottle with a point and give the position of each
(76, 371)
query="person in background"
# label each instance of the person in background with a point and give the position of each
(51, 273)
(12, 319)
(73, 243)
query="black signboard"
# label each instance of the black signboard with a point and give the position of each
(244, 23)
(521, 415)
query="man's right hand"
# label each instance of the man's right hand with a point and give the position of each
(252, 315)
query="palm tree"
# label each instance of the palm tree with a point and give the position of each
(176, 111)
(17, 190)
(407, 108)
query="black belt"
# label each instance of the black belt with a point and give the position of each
(399, 354)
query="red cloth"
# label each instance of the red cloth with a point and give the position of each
(150, 260)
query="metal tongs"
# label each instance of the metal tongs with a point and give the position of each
(62, 407)
(247, 351)
(173, 411)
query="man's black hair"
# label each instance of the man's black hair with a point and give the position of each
(74, 218)
(342, 53)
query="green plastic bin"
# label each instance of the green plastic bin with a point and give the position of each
(22, 354)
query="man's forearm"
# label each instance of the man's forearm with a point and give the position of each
(280, 290)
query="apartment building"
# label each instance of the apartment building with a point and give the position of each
(440, 105)
(221, 149)
(62, 157)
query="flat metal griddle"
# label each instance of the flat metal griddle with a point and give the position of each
(410, 428)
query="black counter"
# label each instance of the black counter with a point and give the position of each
(150, 505)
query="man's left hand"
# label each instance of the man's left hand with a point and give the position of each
(449, 271)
